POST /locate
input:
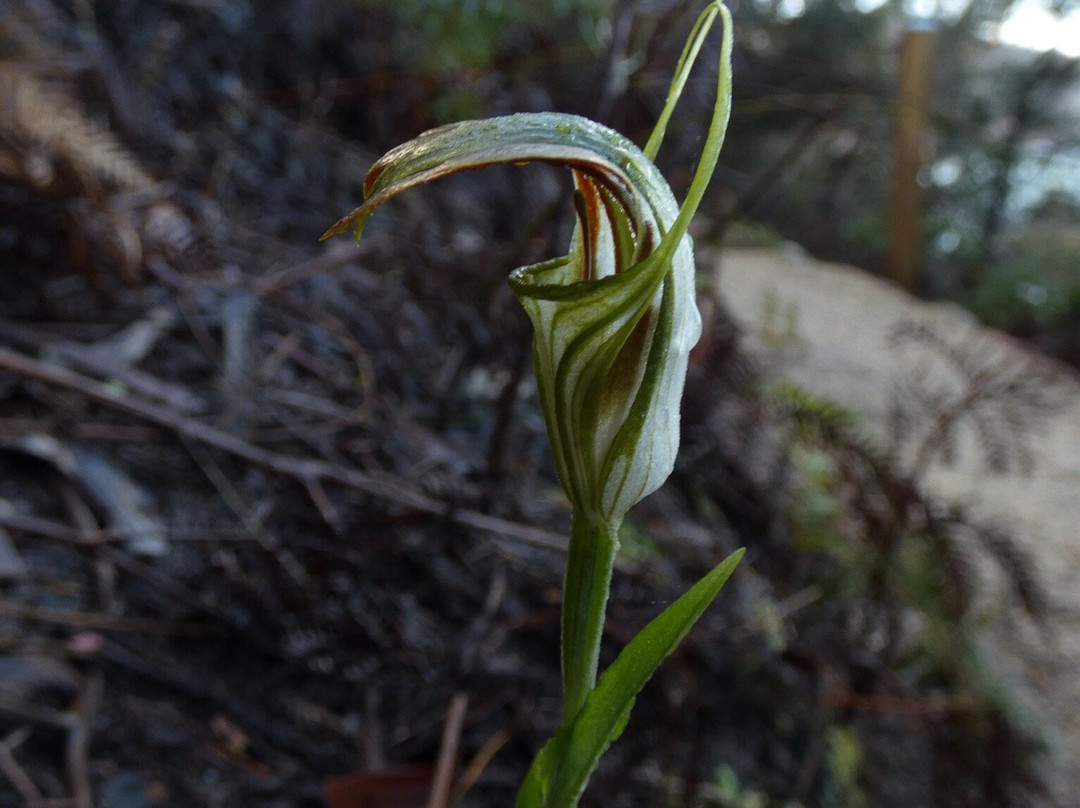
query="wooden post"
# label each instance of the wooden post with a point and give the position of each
(905, 204)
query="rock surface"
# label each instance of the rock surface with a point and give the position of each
(833, 330)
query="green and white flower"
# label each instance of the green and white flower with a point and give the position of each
(615, 319)
(614, 322)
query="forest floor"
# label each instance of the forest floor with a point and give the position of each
(272, 510)
(870, 347)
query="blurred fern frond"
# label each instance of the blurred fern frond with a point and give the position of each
(808, 409)
(888, 507)
(998, 398)
(49, 144)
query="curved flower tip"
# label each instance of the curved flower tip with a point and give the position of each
(615, 319)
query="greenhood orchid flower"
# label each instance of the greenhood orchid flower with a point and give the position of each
(614, 322)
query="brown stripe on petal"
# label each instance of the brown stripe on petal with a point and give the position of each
(646, 244)
(613, 182)
(614, 210)
(584, 244)
(624, 376)
(373, 175)
(591, 224)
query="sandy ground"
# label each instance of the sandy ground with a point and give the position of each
(827, 327)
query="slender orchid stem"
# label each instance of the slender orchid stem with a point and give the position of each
(588, 579)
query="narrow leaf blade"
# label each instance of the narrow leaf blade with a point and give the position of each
(560, 772)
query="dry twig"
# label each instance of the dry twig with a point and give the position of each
(74, 618)
(16, 774)
(448, 749)
(308, 472)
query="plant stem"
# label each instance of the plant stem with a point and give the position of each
(585, 592)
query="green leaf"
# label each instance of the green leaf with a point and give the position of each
(560, 772)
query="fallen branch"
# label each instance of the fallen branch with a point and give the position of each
(73, 618)
(58, 531)
(309, 472)
(98, 359)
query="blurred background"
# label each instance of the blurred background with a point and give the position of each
(278, 521)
